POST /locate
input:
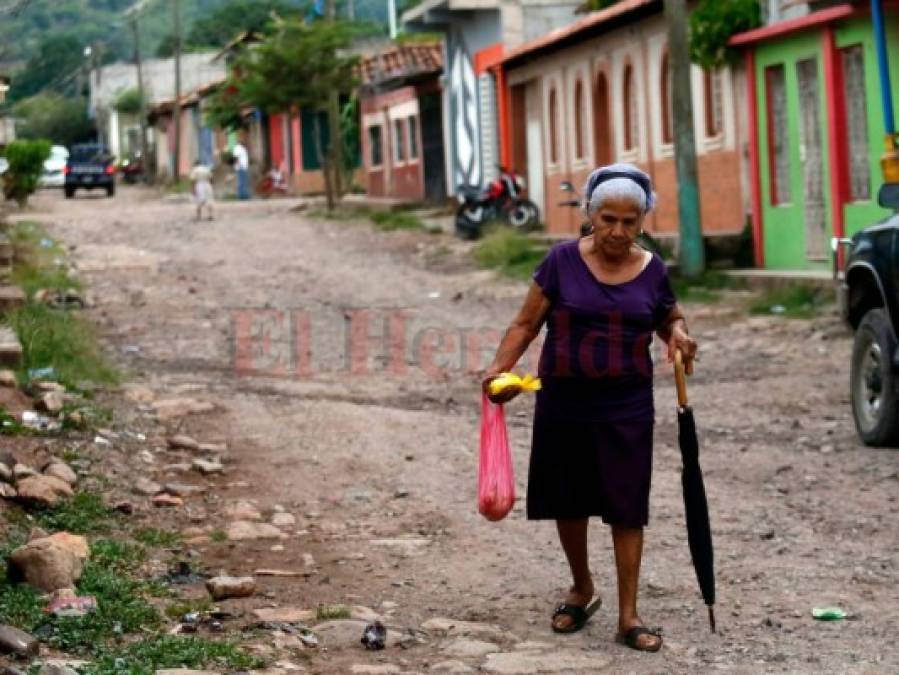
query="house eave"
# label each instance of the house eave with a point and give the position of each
(782, 28)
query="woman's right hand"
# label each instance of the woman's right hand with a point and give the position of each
(506, 395)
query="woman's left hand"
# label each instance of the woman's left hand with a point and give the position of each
(681, 340)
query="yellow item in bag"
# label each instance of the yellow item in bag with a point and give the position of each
(506, 380)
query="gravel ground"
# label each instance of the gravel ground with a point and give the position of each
(264, 313)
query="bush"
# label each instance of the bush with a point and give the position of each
(26, 164)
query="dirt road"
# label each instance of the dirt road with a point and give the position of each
(377, 460)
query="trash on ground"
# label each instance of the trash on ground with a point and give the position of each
(69, 606)
(374, 636)
(34, 420)
(777, 309)
(48, 373)
(829, 614)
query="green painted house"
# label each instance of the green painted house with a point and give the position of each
(816, 130)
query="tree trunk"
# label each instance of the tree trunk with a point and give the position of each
(324, 161)
(145, 156)
(692, 255)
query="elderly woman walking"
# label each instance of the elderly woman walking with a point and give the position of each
(601, 297)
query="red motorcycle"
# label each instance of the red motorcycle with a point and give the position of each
(502, 201)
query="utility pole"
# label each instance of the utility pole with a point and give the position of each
(391, 18)
(145, 158)
(336, 138)
(176, 108)
(692, 254)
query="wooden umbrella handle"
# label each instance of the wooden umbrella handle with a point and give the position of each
(680, 378)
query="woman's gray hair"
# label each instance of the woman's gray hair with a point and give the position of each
(618, 182)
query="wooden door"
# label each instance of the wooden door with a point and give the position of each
(602, 122)
(811, 158)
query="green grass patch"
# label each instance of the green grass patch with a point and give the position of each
(707, 287)
(172, 651)
(330, 612)
(396, 220)
(178, 609)
(800, 301)
(40, 262)
(339, 213)
(86, 513)
(155, 538)
(218, 536)
(20, 605)
(509, 252)
(61, 340)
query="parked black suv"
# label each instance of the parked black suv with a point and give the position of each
(90, 167)
(868, 291)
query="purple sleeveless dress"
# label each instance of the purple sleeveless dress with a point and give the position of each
(591, 452)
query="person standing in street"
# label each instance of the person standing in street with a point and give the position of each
(242, 169)
(601, 297)
(204, 195)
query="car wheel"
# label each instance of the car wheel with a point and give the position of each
(874, 386)
(70, 193)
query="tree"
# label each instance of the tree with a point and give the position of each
(301, 66)
(26, 164)
(713, 23)
(129, 102)
(224, 108)
(217, 29)
(63, 120)
(56, 62)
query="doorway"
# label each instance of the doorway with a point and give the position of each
(431, 111)
(602, 122)
(812, 160)
(536, 188)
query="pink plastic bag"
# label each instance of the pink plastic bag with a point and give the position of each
(496, 478)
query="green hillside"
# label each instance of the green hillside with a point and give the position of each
(51, 35)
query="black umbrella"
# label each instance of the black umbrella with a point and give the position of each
(699, 531)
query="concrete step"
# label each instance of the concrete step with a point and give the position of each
(10, 348)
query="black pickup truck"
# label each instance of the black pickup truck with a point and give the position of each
(90, 167)
(868, 292)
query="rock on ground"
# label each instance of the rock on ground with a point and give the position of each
(452, 667)
(341, 633)
(243, 510)
(43, 490)
(50, 563)
(467, 648)
(224, 587)
(452, 627)
(243, 530)
(557, 661)
(18, 642)
(61, 470)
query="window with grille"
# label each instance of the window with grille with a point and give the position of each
(778, 134)
(580, 142)
(553, 127)
(399, 141)
(631, 124)
(856, 123)
(375, 147)
(714, 103)
(667, 112)
(413, 138)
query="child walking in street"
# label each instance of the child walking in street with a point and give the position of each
(201, 178)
